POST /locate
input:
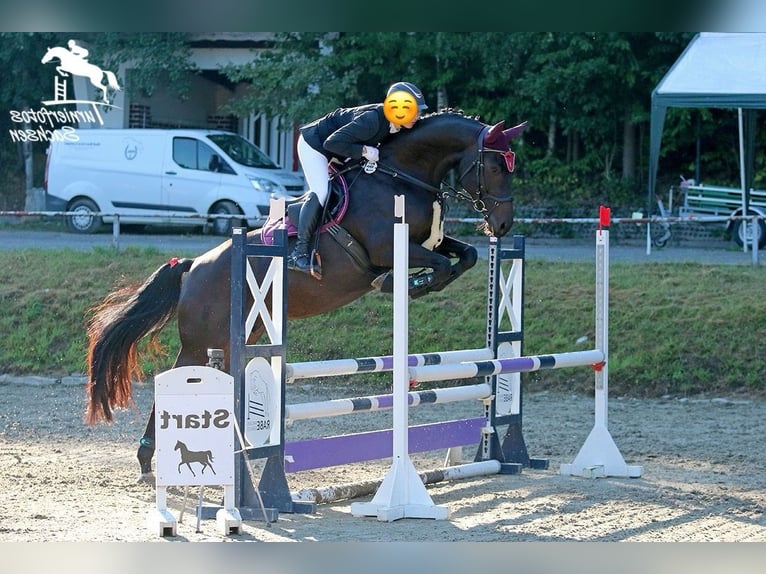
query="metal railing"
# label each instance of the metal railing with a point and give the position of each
(664, 222)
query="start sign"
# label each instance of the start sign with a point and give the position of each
(194, 427)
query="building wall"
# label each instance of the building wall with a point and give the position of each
(201, 109)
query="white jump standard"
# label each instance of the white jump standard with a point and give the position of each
(402, 493)
(599, 456)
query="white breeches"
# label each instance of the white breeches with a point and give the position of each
(314, 166)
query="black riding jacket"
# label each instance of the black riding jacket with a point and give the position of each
(344, 132)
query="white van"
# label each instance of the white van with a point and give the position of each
(156, 177)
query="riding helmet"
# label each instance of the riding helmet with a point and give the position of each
(410, 89)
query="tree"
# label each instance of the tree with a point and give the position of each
(586, 95)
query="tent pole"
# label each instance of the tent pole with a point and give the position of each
(745, 222)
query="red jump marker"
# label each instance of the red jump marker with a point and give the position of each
(604, 216)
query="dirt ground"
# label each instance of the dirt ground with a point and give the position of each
(703, 476)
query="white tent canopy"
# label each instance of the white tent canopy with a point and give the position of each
(717, 70)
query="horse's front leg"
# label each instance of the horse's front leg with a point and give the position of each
(435, 269)
(466, 256)
(61, 71)
(442, 270)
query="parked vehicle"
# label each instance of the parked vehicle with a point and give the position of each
(161, 177)
(712, 200)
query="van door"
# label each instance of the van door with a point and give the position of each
(190, 180)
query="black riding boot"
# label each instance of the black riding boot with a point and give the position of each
(311, 213)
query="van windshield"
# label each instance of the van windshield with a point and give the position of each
(242, 151)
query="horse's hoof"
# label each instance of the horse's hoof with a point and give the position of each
(148, 478)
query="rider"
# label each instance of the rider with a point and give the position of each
(344, 133)
(78, 50)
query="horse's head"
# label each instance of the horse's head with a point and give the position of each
(487, 177)
(48, 56)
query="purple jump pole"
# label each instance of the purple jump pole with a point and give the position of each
(360, 447)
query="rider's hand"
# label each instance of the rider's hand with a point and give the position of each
(370, 153)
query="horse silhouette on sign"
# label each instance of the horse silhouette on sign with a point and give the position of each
(72, 63)
(204, 457)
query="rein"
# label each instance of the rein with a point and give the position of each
(479, 203)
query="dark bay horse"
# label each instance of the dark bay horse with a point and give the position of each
(413, 163)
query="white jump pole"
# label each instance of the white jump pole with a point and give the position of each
(402, 493)
(599, 456)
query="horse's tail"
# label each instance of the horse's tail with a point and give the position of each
(112, 80)
(209, 455)
(115, 327)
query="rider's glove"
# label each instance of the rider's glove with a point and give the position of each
(370, 153)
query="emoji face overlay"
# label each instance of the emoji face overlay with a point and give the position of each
(400, 108)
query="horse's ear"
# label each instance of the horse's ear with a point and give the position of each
(495, 134)
(511, 133)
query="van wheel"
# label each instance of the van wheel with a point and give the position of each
(220, 225)
(742, 233)
(84, 220)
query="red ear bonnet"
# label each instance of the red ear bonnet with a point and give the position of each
(500, 139)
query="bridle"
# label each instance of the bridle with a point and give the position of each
(478, 197)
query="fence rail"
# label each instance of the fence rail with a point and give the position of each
(648, 221)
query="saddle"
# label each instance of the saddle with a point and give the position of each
(334, 211)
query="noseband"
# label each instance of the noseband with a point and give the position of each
(479, 197)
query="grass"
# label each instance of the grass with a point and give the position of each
(675, 329)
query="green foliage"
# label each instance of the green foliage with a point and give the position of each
(582, 94)
(677, 329)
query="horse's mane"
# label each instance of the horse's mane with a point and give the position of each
(449, 112)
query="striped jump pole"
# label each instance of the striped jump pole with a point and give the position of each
(312, 369)
(467, 370)
(599, 456)
(336, 407)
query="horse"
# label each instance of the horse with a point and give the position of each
(413, 163)
(204, 457)
(75, 65)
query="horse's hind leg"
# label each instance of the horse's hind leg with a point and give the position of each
(146, 449)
